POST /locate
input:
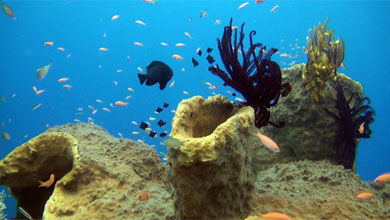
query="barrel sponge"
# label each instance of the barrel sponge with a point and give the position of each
(50, 152)
(205, 126)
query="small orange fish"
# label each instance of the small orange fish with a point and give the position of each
(140, 22)
(275, 216)
(103, 49)
(188, 35)
(179, 45)
(60, 80)
(172, 83)
(48, 182)
(49, 43)
(177, 57)
(268, 142)
(342, 66)
(138, 44)
(143, 196)
(384, 178)
(121, 104)
(114, 17)
(365, 195)
(260, 1)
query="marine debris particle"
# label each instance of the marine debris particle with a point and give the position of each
(258, 79)
(172, 143)
(349, 121)
(156, 72)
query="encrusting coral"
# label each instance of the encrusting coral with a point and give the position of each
(259, 80)
(324, 58)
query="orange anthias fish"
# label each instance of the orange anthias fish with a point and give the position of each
(384, 178)
(120, 103)
(268, 142)
(48, 182)
(275, 216)
(365, 195)
(7, 10)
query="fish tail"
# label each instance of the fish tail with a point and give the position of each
(142, 78)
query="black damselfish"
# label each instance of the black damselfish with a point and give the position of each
(156, 72)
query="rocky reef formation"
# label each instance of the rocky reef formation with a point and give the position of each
(309, 132)
(213, 160)
(110, 173)
(318, 190)
(217, 169)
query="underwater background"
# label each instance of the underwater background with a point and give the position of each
(82, 27)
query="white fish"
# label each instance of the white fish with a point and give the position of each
(242, 5)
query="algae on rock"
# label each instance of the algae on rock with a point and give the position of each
(211, 171)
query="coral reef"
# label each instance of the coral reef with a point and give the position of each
(304, 136)
(352, 123)
(210, 172)
(324, 58)
(112, 172)
(318, 190)
(259, 79)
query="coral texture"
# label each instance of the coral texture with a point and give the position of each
(318, 190)
(112, 172)
(210, 172)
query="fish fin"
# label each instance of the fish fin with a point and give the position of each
(150, 82)
(142, 78)
(163, 84)
(41, 184)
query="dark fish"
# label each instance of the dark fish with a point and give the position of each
(152, 134)
(161, 123)
(199, 52)
(163, 134)
(209, 50)
(194, 62)
(233, 94)
(143, 125)
(159, 110)
(156, 72)
(210, 59)
(165, 105)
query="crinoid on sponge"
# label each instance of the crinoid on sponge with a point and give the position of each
(324, 57)
(353, 118)
(257, 78)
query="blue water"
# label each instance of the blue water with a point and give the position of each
(79, 26)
